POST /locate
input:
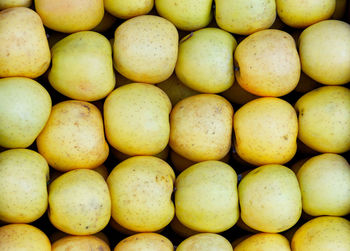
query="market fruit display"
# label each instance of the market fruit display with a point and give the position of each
(163, 125)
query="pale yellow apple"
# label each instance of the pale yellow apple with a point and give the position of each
(141, 189)
(201, 127)
(23, 237)
(175, 89)
(145, 49)
(145, 242)
(70, 16)
(264, 242)
(206, 198)
(78, 243)
(186, 14)
(325, 184)
(205, 60)
(205, 242)
(126, 9)
(73, 137)
(324, 50)
(82, 66)
(245, 17)
(266, 131)
(24, 49)
(270, 198)
(21, 169)
(267, 63)
(323, 234)
(302, 13)
(324, 119)
(25, 106)
(4, 4)
(79, 202)
(136, 119)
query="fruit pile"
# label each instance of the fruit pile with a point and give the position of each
(156, 125)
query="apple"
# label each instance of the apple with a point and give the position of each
(82, 66)
(245, 17)
(205, 60)
(26, 107)
(23, 192)
(324, 50)
(325, 184)
(79, 202)
(205, 242)
(267, 63)
(264, 242)
(263, 192)
(145, 242)
(322, 234)
(30, 55)
(201, 127)
(140, 127)
(186, 14)
(70, 16)
(23, 237)
(206, 197)
(145, 49)
(73, 137)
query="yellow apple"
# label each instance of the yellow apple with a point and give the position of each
(206, 197)
(4, 4)
(266, 131)
(126, 9)
(323, 234)
(205, 242)
(302, 13)
(140, 189)
(139, 127)
(23, 237)
(186, 14)
(245, 17)
(325, 184)
(324, 119)
(264, 192)
(23, 193)
(145, 242)
(205, 60)
(324, 50)
(24, 49)
(82, 66)
(145, 49)
(264, 242)
(70, 16)
(79, 202)
(73, 137)
(25, 106)
(201, 127)
(78, 243)
(267, 63)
